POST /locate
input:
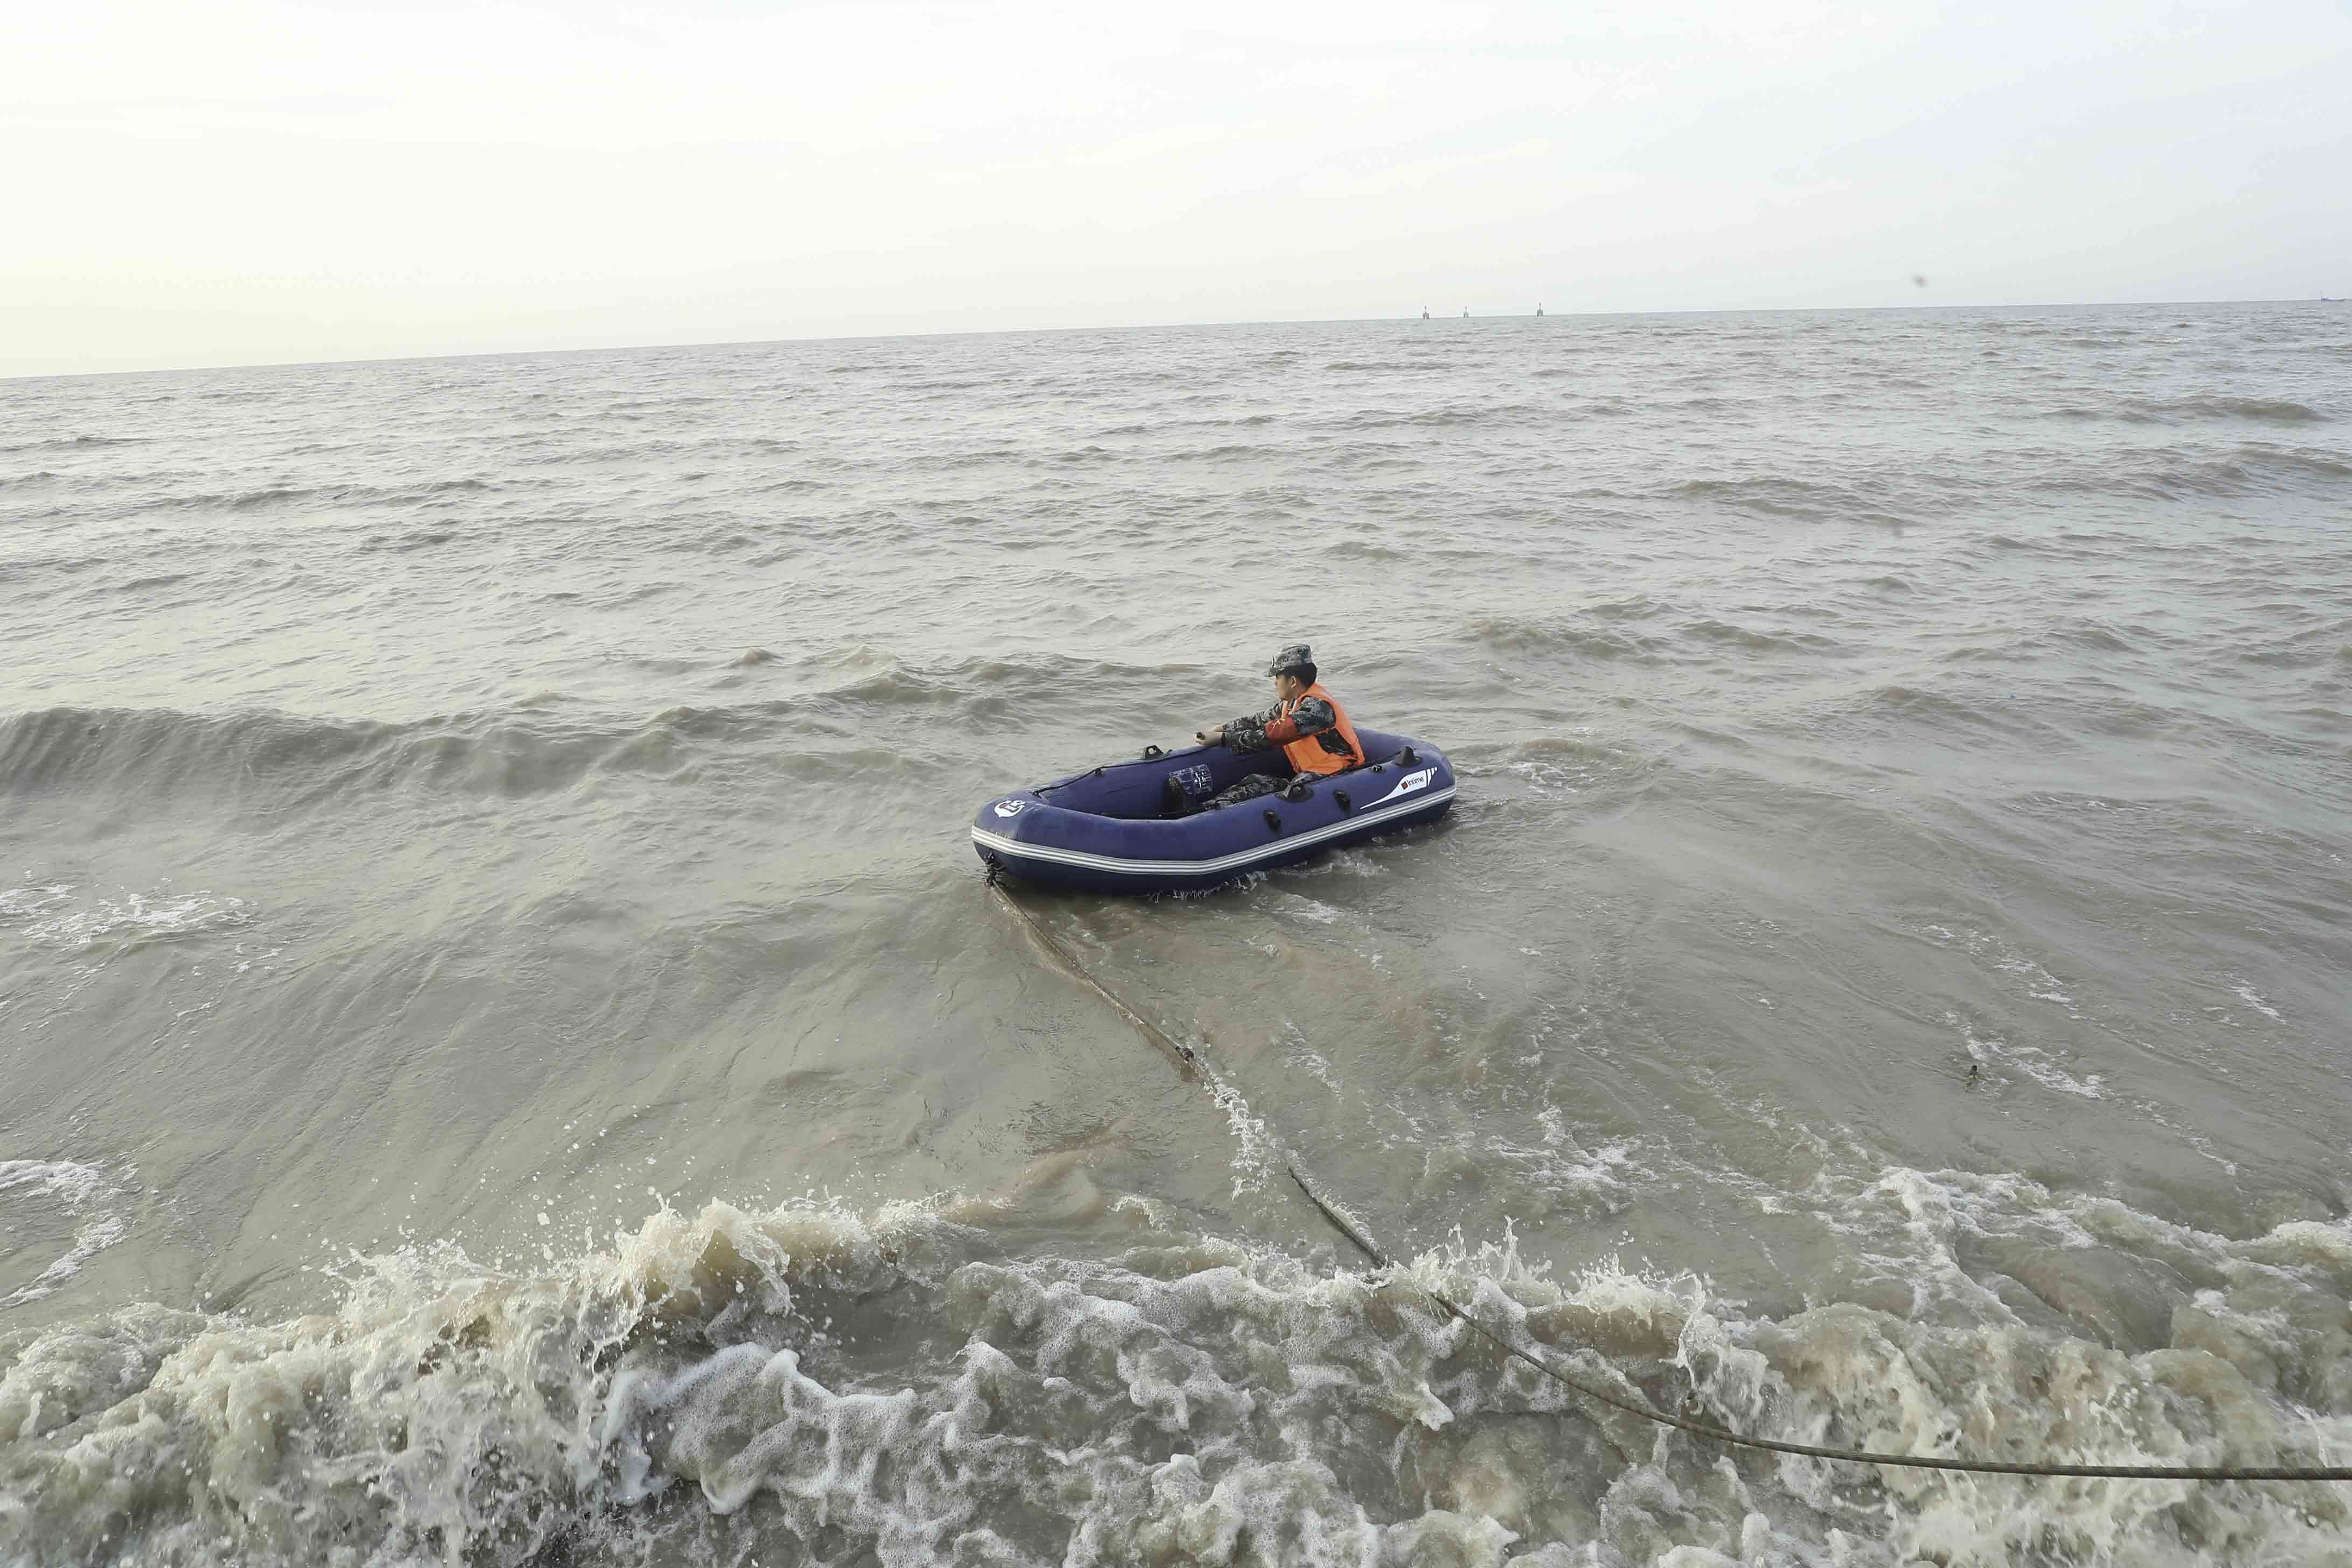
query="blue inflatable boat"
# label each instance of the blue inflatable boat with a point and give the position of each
(1136, 826)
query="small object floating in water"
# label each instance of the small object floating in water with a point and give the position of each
(1108, 830)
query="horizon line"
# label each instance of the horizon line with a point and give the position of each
(1538, 313)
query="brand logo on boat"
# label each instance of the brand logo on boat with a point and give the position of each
(1408, 784)
(1011, 807)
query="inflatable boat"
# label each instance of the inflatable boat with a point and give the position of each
(1142, 827)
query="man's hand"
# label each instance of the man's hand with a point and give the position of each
(1213, 736)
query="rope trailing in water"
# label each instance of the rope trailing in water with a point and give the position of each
(1195, 1067)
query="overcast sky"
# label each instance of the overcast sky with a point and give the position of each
(239, 182)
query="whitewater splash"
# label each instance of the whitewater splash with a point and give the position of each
(76, 1192)
(50, 916)
(808, 1385)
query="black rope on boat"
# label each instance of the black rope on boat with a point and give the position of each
(1190, 1062)
(1151, 754)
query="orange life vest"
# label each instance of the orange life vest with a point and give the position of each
(1307, 753)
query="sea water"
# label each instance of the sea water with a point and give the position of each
(506, 1055)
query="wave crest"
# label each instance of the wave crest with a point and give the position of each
(683, 1396)
(1519, 636)
(2205, 407)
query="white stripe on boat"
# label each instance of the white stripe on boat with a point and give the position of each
(1080, 859)
(1407, 785)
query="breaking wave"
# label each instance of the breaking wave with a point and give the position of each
(807, 1385)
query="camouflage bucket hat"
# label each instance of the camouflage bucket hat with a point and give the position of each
(1292, 659)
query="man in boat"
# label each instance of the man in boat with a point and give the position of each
(1306, 726)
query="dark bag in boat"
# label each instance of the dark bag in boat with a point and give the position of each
(1186, 788)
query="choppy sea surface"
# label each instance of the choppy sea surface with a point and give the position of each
(506, 1057)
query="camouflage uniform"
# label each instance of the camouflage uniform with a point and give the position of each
(1249, 788)
(1313, 716)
